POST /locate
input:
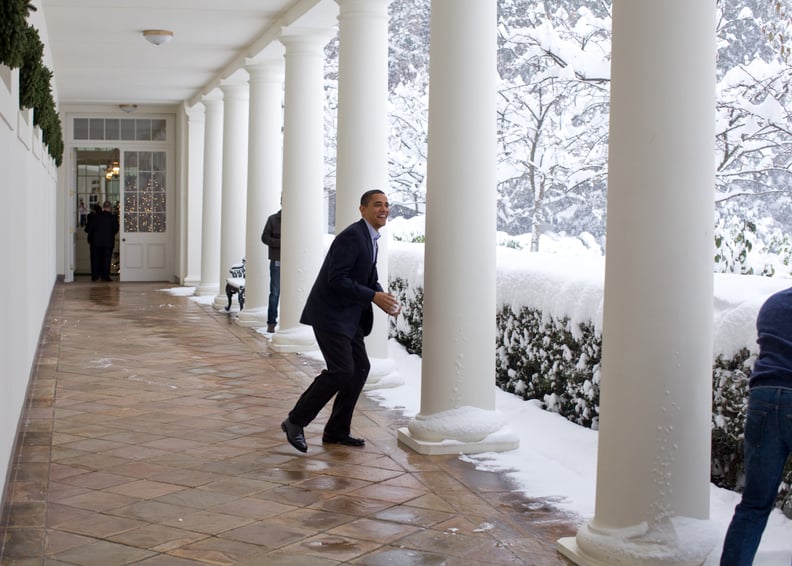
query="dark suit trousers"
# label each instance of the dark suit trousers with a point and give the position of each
(347, 370)
(101, 260)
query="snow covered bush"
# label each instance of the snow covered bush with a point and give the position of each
(729, 394)
(549, 339)
(538, 357)
(407, 328)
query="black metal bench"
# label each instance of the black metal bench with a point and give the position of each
(235, 285)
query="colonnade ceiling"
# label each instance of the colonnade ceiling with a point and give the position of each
(100, 57)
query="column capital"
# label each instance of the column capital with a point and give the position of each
(270, 70)
(212, 97)
(235, 89)
(196, 112)
(363, 7)
(309, 40)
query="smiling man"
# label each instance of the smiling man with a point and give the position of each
(339, 310)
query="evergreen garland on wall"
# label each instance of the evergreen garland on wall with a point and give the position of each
(21, 47)
(13, 23)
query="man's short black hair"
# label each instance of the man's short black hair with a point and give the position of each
(364, 200)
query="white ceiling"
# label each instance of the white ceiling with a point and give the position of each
(99, 56)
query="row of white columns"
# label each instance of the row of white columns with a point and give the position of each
(653, 464)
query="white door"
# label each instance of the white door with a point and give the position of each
(143, 232)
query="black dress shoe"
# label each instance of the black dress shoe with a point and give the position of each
(294, 434)
(346, 440)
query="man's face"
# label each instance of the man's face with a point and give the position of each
(376, 211)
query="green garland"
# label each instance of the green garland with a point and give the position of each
(21, 47)
(13, 22)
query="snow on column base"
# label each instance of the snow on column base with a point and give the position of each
(204, 290)
(465, 430)
(382, 375)
(252, 317)
(221, 301)
(299, 339)
(677, 541)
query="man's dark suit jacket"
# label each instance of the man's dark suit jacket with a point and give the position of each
(340, 299)
(102, 229)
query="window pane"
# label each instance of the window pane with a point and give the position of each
(158, 182)
(158, 222)
(131, 159)
(97, 129)
(158, 132)
(143, 130)
(144, 161)
(81, 128)
(159, 161)
(127, 129)
(112, 129)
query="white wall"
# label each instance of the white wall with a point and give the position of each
(27, 253)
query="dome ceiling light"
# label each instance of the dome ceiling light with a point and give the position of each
(157, 36)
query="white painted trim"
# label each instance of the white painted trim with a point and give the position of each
(9, 95)
(25, 126)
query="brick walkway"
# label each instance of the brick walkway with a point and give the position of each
(152, 436)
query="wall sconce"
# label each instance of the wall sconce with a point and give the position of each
(128, 107)
(157, 36)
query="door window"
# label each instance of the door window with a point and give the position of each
(144, 191)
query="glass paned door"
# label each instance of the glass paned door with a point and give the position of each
(144, 238)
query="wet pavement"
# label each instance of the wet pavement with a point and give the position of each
(151, 435)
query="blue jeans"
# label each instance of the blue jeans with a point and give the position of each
(768, 442)
(274, 292)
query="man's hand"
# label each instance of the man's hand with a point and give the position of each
(387, 303)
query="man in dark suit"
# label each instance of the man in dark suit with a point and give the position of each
(339, 310)
(101, 235)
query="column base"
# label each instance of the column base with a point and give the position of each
(191, 281)
(221, 301)
(383, 375)
(204, 290)
(493, 443)
(678, 541)
(250, 318)
(292, 340)
(568, 547)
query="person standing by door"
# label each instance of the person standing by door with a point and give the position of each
(339, 310)
(271, 237)
(101, 236)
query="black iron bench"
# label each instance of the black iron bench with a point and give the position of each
(235, 285)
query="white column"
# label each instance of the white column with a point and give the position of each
(194, 189)
(233, 210)
(302, 229)
(458, 389)
(264, 183)
(653, 468)
(212, 183)
(362, 143)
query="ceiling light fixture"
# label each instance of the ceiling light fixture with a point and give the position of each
(157, 36)
(128, 108)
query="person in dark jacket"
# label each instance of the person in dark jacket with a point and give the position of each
(768, 430)
(271, 237)
(95, 210)
(339, 310)
(102, 229)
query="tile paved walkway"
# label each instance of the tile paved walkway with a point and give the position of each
(151, 436)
